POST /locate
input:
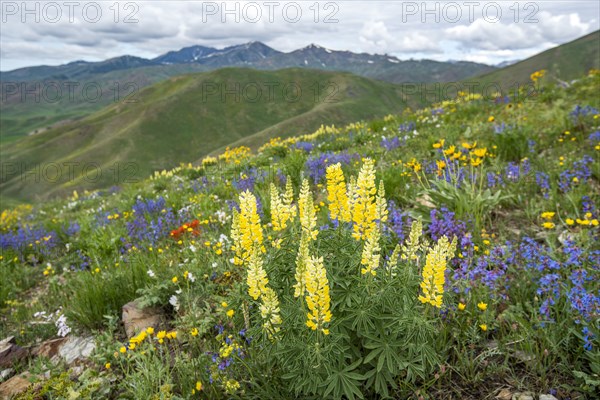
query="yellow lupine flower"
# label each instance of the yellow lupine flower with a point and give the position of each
(282, 209)
(336, 193)
(246, 231)
(381, 204)
(317, 295)
(308, 218)
(364, 208)
(301, 261)
(269, 311)
(257, 277)
(433, 272)
(370, 255)
(412, 246)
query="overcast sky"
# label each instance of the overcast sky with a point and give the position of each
(58, 32)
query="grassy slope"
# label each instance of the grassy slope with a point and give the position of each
(173, 123)
(565, 62)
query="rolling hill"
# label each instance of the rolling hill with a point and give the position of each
(184, 118)
(117, 77)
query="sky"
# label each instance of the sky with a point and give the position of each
(58, 32)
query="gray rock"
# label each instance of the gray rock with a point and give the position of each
(76, 349)
(523, 396)
(10, 353)
(5, 374)
(547, 397)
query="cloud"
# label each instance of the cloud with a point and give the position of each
(374, 28)
(549, 30)
(377, 37)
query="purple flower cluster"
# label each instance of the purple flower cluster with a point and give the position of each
(391, 143)
(248, 179)
(317, 165)
(152, 221)
(407, 127)
(19, 240)
(542, 179)
(444, 223)
(397, 221)
(581, 112)
(304, 146)
(580, 170)
(549, 290)
(514, 171)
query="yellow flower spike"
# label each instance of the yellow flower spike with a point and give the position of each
(336, 193)
(370, 255)
(257, 277)
(308, 218)
(434, 270)
(269, 311)
(317, 295)
(364, 208)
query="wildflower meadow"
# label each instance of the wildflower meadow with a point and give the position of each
(450, 252)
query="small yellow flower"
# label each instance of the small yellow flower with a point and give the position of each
(594, 222)
(199, 386)
(123, 350)
(224, 304)
(131, 346)
(482, 306)
(150, 330)
(107, 365)
(174, 280)
(570, 221)
(461, 306)
(230, 313)
(548, 215)
(194, 332)
(491, 118)
(483, 327)
(548, 225)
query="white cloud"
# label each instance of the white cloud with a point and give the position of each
(374, 28)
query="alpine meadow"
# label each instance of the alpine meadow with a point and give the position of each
(415, 216)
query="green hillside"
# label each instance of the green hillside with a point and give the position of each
(565, 62)
(185, 118)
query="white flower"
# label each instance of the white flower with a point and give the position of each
(193, 248)
(151, 274)
(174, 301)
(191, 277)
(214, 264)
(61, 324)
